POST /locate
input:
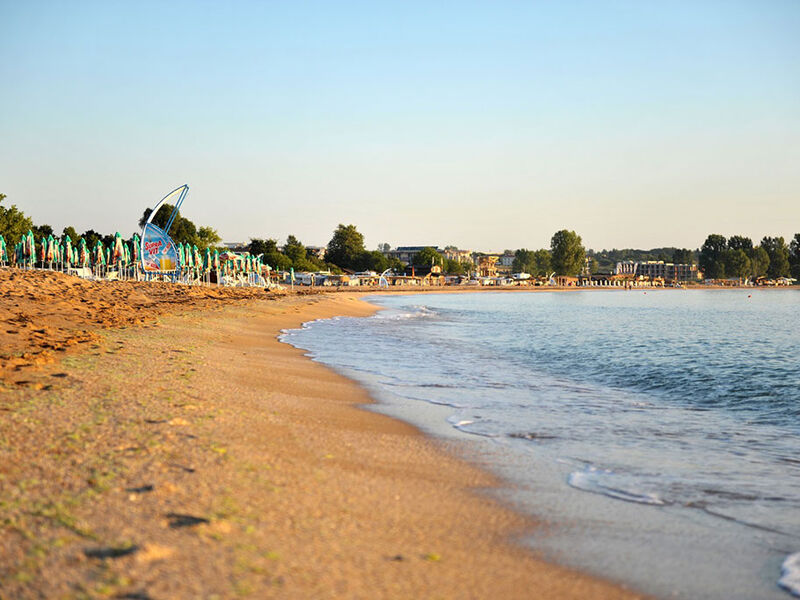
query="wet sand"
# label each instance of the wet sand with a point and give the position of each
(176, 449)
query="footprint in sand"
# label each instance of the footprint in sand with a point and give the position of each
(110, 552)
(142, 489)
(178, 520)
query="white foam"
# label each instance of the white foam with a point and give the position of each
(589, 481)
(790, 574)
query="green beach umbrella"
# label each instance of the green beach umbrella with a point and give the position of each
(31, 250)
(99, 254)
(83, 253)
(68, 250)
(50, 249)
(119, 249)
(136, 244)
(3, 252)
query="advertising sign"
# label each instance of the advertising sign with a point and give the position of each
(158, 250)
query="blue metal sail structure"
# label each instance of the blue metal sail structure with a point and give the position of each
(161, 237)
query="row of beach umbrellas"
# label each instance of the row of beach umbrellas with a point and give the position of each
(54, 251)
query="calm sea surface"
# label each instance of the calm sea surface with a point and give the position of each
(656, 432)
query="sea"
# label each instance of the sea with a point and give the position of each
(654, 434)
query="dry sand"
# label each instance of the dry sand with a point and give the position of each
(175, 449)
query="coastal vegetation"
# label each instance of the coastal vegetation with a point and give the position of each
(567, 253)
(718, 258)
(737, 257)
(534, 262)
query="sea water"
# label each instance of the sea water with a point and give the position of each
(655, 433)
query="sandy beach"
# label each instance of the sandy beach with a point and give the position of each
(159, 442)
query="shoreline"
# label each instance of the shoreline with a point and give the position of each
(551, 506)
(238, 466)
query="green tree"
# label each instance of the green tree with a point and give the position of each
(70, 231)
(594, 266)
(712, 256)
(759, 262)
(42, 231)
(567, 253)
(524, 261)
(207, 237)
(260, 246)
(794, 256)
(345, 247)
(270, 255)
(13, 223)
(294, 249)
(428, 257)
(544, 263)
(737, 263)
(534, 262)
(778, 253)
(739, 242)
(683, 256)
(453, 267)
(91, 237)
(371, 260)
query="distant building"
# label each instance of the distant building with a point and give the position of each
(461, 256)
(506, 259)
(406, 254)
(235, 246)
(486, 264)
(627, 267)
(657, 269)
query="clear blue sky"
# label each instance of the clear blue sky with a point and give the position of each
(487, 125)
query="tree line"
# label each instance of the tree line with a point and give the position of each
(738, 257)
(566, 256)
(14, 224)
(718, 257)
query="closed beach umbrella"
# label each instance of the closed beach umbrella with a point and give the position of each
(216, 259)
(26, 244)
(99, 253)
(119, 249)
(83, 253)
(135, 246)
(3, 253)
(49, 246)
(68, 250)
(207, 260)
(198, 262)
(31, 251)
